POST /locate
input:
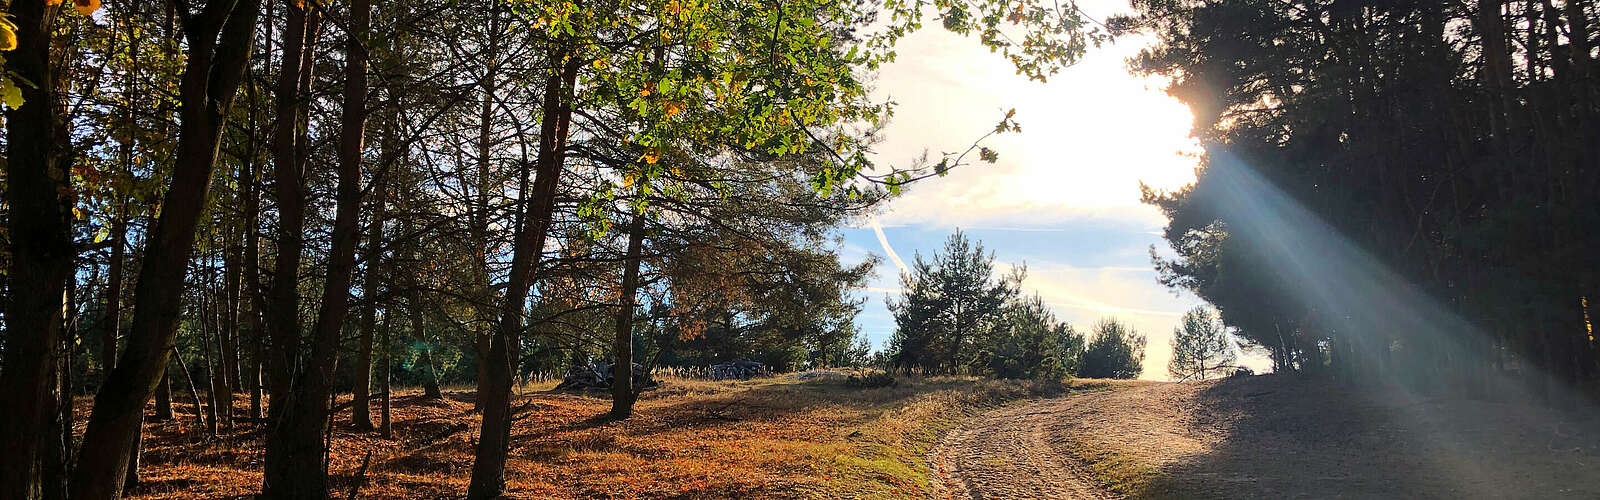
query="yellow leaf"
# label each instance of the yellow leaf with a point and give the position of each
(52, 3)
(86, 7)
(627, 180)
(674, 8)
(651, 156)
(8, 34)
(672, 107)
(11, 94)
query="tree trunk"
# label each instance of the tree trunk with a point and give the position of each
(206, 336)
(284, 442)
(54, 453)
(164, 397)
(230, 317)
(1496, 62)
(623, 393)
(299, 470)
(113, 316)
(480, 215)
(355, 117)
(194, 393)
(250, 295)
(283, 303)
(488, 467)
(361, 416)
(419, 333)
(211, 77)
(1578, 24)
(38, 184)
(384, 426)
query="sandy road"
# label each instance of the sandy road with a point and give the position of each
(1270, 437)
(1012, 453)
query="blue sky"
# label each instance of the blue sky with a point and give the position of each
(1064, 196)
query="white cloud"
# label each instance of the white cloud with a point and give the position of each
(1090, 134)
(887, 249)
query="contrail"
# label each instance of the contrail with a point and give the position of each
(884, 240)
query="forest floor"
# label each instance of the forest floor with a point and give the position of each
(777, 437)
(1269, 437)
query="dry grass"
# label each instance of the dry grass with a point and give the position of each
(776, 437)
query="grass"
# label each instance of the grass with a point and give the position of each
(773, 437)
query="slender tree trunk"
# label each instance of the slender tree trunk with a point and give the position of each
(206, 336)
(283, 304)
(164, 397)
(385, 427)
(419, 333)
(1578, 24)
(38, 184)
(361, 416)
(221, 394)
(194, 392)
(211, 77)
(113, 317)
(230, 316)
(286, 443)
(488, 467)
(54, 452)
(356, 81)
(300, 471)
(251, 290)
(623, 393)
(1496, 61)
(480, 213)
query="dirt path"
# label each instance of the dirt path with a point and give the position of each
(1268, 437)
(1008, 453)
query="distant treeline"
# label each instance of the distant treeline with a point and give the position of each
(1391, 188)
(957, 316)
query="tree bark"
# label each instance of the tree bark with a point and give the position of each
(488, 467)
(250, 293)
(38, 184)
(354, 109)
(299, 470)
(1578, 23)
(623, 393)
(164, 397)
(283, 303)
(113, 317)
(385, 427)
(206, 336)
(430, 378)
(233, 254)
(219, 40)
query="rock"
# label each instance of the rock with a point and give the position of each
(599, 376)
(742, 370)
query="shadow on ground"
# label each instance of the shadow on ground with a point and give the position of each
(1282, 436)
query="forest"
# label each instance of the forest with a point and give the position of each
(278, 227)
(1418, 175)
(286, 199)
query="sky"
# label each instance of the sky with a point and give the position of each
(1063, 199)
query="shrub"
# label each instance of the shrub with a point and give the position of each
(872, 380)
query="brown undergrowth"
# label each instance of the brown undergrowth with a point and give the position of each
(767, 438)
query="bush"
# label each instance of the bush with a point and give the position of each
(1117, 351)
(872, 380)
